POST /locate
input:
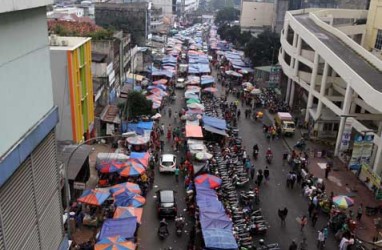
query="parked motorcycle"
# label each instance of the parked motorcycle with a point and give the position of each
(179, 225)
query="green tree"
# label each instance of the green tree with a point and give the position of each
(234, 35)
(263, 49)
(137, 104)
(220, 4)
(226, 15)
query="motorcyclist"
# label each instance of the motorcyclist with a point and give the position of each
(256, 148)
(163, 226)
(179, 222)
(269, 152)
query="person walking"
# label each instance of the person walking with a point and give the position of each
(359, 212)
(248, 166)
(310, 209)
(169, 112)
(327, 170)
(293, 245)
(252, 171)
(314, 218)
(282, 215)
(303, 244)
(320, 240)
(266, 174)
(176, 173)
(303, 222)
(260, 177)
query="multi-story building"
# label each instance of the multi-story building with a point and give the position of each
(72, 87)
(373, 39)
(30, 198)
(333, 77)
(131, 17)
(256, 15)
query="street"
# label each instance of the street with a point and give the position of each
(273, 195)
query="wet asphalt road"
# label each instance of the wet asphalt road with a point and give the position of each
(273, 195)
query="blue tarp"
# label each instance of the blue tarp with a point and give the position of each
(207, 80)
(214, 122)
(125, 227)
(163, 73)
(215, 130)
(137, 155)
(219, 239)
(140, 127)
(146, 125)
(210, 219)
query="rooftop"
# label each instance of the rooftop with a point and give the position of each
(66, 42)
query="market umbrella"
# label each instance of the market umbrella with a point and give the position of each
(161, 81)
(125, 212)
(134, 168)
(110, 166)
(203, 156)
(210, 89)
(243, 71)
(255, 91)
(247, 84)
(114, 243)
(195, 106)
(343, 201)
(208, 180)
(193, 100)
(129, 199)
(94, 197)
(126, 186)
(137, 140)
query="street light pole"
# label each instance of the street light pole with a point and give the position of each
(67, 188)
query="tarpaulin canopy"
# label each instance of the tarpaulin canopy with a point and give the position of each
(210, 219)
(143, 158)
(94, 197)
(163, 73)
(129, 199)
(140, 127)
(138, 140)
(207, 80)
(114, 243)
(215, 130)
(219, 239)
(124, 227)
(126, 212)
(194, 131)
(214, 122)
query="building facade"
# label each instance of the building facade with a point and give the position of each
(373, 39)
(333, 78)
(256, 15)
(72, 87)
(30, 199)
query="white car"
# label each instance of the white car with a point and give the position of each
(167, 163)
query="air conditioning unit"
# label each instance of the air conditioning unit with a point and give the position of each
(53, 41)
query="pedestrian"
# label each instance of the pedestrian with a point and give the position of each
(161, 144)
(283, 214)
(310, 209)
(293, 180)
(320, 240)
(238, 114)
(327, 170)
(266, 174)
(169, 134)
(176, 173)
(260, 177)
(169, 112)
(293, 245)
(359, 212)
(253, 170)
(314, 218)
(285, 157)
(303, 222)
(303, 244)
(325, 231)
(248, 166)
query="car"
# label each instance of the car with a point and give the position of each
(180, 83)
(166, 204)
(167, 163)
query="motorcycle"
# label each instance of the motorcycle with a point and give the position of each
(300, 145)
(163, 231)
(269, 157)
(179, 225)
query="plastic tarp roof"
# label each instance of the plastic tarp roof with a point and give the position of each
(124, 227)
(163, 73)
(219, 239)
(207, 80)
(210, 219)
(215, 130)
(143, 158)
(140, 127)
(214, 122)
(193, 131)
(198, 68)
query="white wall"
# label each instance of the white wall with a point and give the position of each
(25, 79)
(14, 5)
(256, 14)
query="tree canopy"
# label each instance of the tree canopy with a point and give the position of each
(138, 105)
(234, 35)
(263, 49)
(226, 15)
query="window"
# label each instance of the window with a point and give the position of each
(378, 40)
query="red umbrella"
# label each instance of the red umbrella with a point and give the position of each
(133, 168)
(110, 166)
(208, 180)
(125, 187)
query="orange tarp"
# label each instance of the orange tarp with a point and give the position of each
(194, 131)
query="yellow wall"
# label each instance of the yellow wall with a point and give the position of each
(374, 22)
(81, 94)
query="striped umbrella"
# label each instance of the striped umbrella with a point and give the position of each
(208, 180)
(343, 201)
(110, 166)
(114, 243)
(94, 197)
(125, 212)
(125, 187)
(129, 199)
(133, 168)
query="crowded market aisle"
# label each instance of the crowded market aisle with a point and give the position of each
(274, 195)
(147, 235)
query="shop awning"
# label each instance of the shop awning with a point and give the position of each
(124, 227)
(78, 159)
(215, 130)
(214, 122)
(194, 131)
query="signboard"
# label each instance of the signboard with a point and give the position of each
(369, 177)
(378, 194)
(355, 160)
(79, 185)
(367, 148)
(346, 136)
